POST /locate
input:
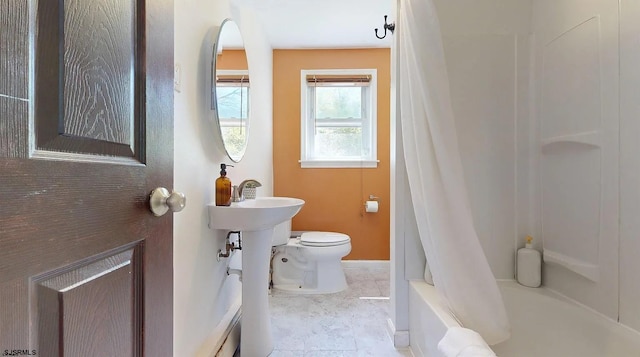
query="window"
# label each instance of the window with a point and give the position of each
(338, 118)
(232, 93)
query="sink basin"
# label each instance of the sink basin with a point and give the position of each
(254, 215)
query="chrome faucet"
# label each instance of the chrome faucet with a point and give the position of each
(251, 183)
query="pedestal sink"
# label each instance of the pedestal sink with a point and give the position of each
(256, 219)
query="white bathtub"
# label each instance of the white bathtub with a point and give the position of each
(543, 324)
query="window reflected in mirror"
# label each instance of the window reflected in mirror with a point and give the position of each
(232, 92)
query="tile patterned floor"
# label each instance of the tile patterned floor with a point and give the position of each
(335, 325)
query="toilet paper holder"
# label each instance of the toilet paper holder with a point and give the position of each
(371, 205)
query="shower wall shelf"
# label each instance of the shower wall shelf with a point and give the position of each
(589, 271)
(590, 138)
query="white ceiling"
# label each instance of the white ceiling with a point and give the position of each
(323, 23)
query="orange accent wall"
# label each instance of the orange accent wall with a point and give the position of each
(334, 197)
(232, 59)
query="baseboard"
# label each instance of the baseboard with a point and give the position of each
(231, 343)
(400, 339)
(225, 338)
(370, 264)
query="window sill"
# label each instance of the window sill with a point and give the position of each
(356, 164)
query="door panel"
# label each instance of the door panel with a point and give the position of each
(107, 288)
(85, 57)
(85, 267)
(99, 36)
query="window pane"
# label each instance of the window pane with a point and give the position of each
(338, 142)
(338, 102)
(233, 102)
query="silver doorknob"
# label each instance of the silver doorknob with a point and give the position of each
(161, 201)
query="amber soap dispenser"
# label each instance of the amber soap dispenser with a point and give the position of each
(223, 187)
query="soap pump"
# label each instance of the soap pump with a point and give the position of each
(529, 265)
(223, 187)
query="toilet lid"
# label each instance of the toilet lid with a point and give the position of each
(323, 239)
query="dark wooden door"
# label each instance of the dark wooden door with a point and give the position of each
(86, 132)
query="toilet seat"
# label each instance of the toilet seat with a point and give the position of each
(323, 239)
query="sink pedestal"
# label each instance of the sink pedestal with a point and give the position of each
(255, 335)
(256, 219)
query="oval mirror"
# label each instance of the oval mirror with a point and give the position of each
(230, 89)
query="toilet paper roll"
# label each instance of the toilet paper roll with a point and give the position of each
(371, 206)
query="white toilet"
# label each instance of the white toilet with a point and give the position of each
(309, 262)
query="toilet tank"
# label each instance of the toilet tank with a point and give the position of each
(281, 233)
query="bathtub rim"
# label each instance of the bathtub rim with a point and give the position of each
(431, 299)
(434, 301)
(554, 294)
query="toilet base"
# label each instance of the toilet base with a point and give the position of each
(297, 289)
(330, 280)
(309, 270)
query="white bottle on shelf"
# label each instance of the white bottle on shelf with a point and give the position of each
(529, 265)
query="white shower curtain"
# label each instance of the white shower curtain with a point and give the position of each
(459, 267)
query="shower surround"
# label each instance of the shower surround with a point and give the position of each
(545, 100)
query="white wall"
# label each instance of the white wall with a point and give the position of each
(630, 163)
(203, 293)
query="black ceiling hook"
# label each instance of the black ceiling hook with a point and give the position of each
(390, 27)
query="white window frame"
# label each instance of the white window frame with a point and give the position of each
(307, 127)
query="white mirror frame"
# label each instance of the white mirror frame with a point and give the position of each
(217, 48)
